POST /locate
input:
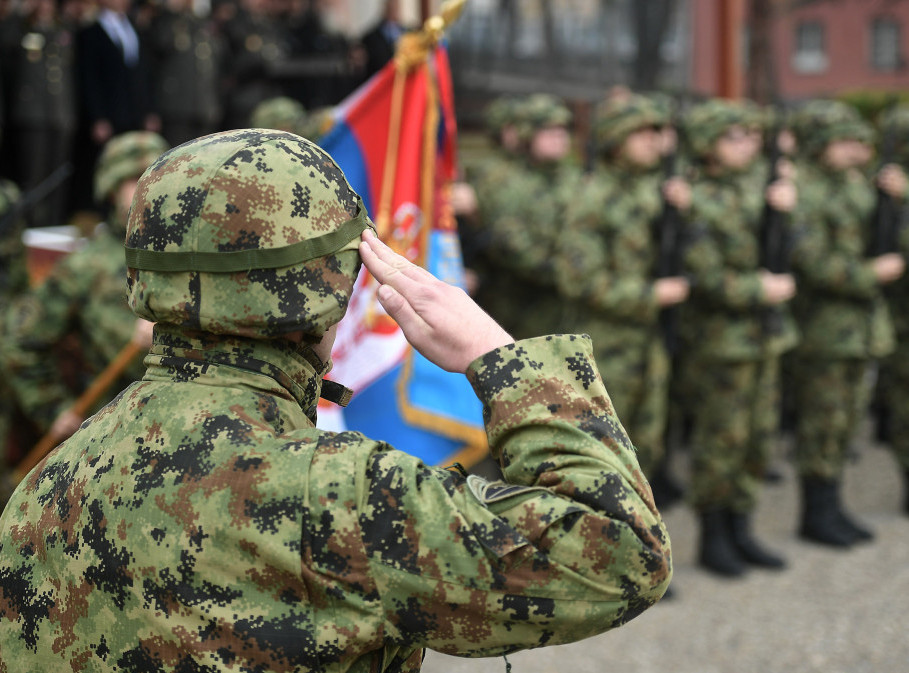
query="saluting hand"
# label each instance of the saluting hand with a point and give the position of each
(438, 319)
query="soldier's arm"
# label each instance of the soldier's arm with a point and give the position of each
(713, 280)
(821, 266)
(569, 545)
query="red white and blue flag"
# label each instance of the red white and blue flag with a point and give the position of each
(400, 136)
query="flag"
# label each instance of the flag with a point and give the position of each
(395, 138)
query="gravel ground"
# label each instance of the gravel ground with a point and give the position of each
(829, 611)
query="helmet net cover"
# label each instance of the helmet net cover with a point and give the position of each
(252, 232)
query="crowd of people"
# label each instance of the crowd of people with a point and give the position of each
(730, 262)
(75, 73)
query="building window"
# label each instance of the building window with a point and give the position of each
(885, 44)
(810, 52)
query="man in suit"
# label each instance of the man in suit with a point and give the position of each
(113, 80)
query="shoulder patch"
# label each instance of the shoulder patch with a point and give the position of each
(494, 491)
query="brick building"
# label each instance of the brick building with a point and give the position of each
(819, 47)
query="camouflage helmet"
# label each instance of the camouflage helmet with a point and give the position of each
(706, 122)
(317, 123)
(281, 113)
(538, 112)
(125, 156)
(252, 232)
(617, 118)
(499, 113)
(820, 122)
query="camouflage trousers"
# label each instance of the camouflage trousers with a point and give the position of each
(638, 383)
(894, 382)
(735, 425)
(831, 397)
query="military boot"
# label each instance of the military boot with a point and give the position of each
(748, 547)
(820, 517)
(718, 551)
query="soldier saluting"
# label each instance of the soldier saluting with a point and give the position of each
(202, 521)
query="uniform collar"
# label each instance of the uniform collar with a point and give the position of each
(274, 366)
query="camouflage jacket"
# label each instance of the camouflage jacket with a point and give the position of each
(725, 316)
(840, 306)
(13, 271)
(200, 522)
(607, 252)
(522, 207)
(85, 294)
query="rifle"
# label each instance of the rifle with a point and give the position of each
(35, 195)
(884, 236)
(667, 233)
(773, 236)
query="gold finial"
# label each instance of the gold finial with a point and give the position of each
(413, 47)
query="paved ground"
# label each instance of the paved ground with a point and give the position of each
(830, 611)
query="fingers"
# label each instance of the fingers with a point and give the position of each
(400, 310)
(390, 268)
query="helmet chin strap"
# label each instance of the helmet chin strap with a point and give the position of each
(334, 392)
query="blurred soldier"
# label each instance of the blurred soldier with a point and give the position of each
(607, 263)
(201, 522)
(522, 209)
(731, 356)
(843, 317)
(13, 282)
(186, 58)
(473, 198)
(39, 77)
(255, 42)
(380, 40)
(83, 295)
(894, 370)
(281, 113)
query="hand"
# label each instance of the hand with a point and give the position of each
(678, 193)
(893, 181)
(777, 287)
(672, 290)
(142, 333)
(463, 199)
(65, 424)
(887, 268)
(782, 196)
(439, 320)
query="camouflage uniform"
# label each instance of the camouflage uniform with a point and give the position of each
(201, 522)
(13, 281)
(83, 295)
(841, 311)
(606, 262)
(894, 371)
(730, 355)
(727, 344)
(522, 203)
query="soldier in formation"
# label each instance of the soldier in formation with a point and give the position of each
(734, 328)
(894, 370)
(842, 313)
(607, 261)
(521, 194)
(200, 521)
